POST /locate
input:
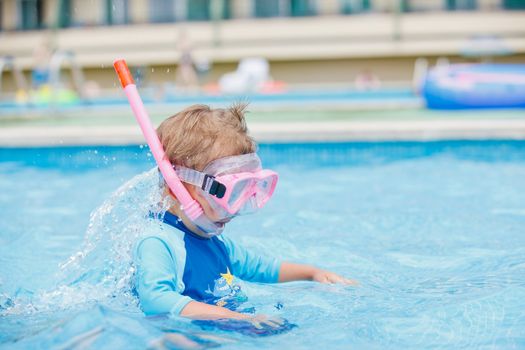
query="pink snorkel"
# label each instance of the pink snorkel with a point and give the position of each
(190, 206)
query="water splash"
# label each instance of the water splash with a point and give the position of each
(102, 270)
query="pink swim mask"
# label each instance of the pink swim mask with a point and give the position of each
(233, 185)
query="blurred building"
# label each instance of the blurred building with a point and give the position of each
(306, 41)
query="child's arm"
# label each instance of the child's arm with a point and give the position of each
(299, 272)
(257, 268)
(202, 311)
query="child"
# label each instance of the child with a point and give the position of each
(186, 268)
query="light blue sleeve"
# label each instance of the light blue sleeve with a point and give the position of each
(249, 266)
(156, 281)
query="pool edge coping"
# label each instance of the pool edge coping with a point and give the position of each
(396, 130)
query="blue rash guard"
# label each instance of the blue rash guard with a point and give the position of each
(175, 266)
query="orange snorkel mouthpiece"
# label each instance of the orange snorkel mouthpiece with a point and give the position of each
(124, 75)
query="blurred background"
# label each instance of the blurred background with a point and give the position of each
(332, 59)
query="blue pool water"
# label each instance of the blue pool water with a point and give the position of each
(434, 232)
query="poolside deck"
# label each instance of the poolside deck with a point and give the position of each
(118, 127)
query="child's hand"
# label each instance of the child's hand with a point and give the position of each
(300, 272)
(323, 276)
(259, 321)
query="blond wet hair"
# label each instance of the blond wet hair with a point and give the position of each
(198, 135)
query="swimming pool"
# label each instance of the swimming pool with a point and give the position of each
(434, 232)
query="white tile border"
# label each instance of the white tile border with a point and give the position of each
(420, 130)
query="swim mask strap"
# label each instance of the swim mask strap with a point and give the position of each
(190, 206)
(202, 180)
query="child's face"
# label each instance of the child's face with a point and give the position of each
(227, 187)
